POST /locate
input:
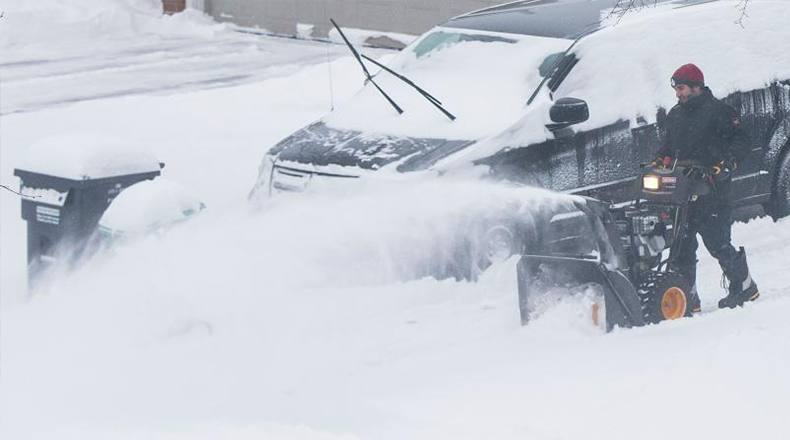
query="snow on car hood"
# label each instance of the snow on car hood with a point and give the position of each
(483, 78)
(320, 145)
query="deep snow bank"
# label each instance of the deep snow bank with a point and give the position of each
(211, 140)
(288, 324)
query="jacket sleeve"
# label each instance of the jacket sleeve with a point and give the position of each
(735, 141)
(664, 149)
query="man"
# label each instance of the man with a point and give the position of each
(704, 129)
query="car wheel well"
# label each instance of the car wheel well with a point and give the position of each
(780, 186)
(519, 231)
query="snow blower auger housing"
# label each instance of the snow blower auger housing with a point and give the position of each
(625, 253)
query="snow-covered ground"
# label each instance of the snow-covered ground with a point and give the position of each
(290, 323)
(160, 64)
(115, 51)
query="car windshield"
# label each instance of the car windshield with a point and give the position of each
(441, 39)
(484, 78)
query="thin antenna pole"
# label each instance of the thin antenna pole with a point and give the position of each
(331, 86)
(329, 65)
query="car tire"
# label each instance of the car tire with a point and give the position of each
(491, 243)
(780, 197)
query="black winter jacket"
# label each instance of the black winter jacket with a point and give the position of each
(709, 131)
(704, 129)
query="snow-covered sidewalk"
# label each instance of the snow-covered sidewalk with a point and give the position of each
(78, 56)
(164, 65)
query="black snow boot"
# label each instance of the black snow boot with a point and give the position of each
(689, 271)
(694, 302)
(742, 288)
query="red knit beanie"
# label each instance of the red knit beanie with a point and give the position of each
(689, 75)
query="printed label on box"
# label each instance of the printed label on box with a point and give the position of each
(45, 214)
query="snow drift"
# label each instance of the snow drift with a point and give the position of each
(42, 23)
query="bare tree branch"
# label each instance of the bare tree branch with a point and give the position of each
(17, 193)
(742, 8)
(622, 7)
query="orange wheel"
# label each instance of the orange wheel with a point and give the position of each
(673, 303)
(663, 296)
(596, 319)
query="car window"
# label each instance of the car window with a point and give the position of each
(548, 63)
(439, 40)
(561, 72)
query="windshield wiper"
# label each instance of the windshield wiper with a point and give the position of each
(365, 69)
(557, 63)
(428, 96)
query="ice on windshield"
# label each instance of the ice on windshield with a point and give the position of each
(483, 78)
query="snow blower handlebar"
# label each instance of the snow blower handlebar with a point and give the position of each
(673, 163)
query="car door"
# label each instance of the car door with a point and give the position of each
(596, 161)
(599, 162)
(610, 162)
(759, 115)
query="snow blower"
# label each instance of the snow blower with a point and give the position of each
(625, 254)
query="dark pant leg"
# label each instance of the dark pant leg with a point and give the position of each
(715, 227)
(685, 261)
(715, 232)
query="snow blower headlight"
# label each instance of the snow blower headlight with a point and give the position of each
(652, 183)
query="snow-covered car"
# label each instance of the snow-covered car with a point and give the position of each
(566, 95)
(151, 206)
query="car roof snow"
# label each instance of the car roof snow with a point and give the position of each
(548, 18)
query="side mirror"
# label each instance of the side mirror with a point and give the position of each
(568, 111)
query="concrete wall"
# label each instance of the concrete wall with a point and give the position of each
(281, 16)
